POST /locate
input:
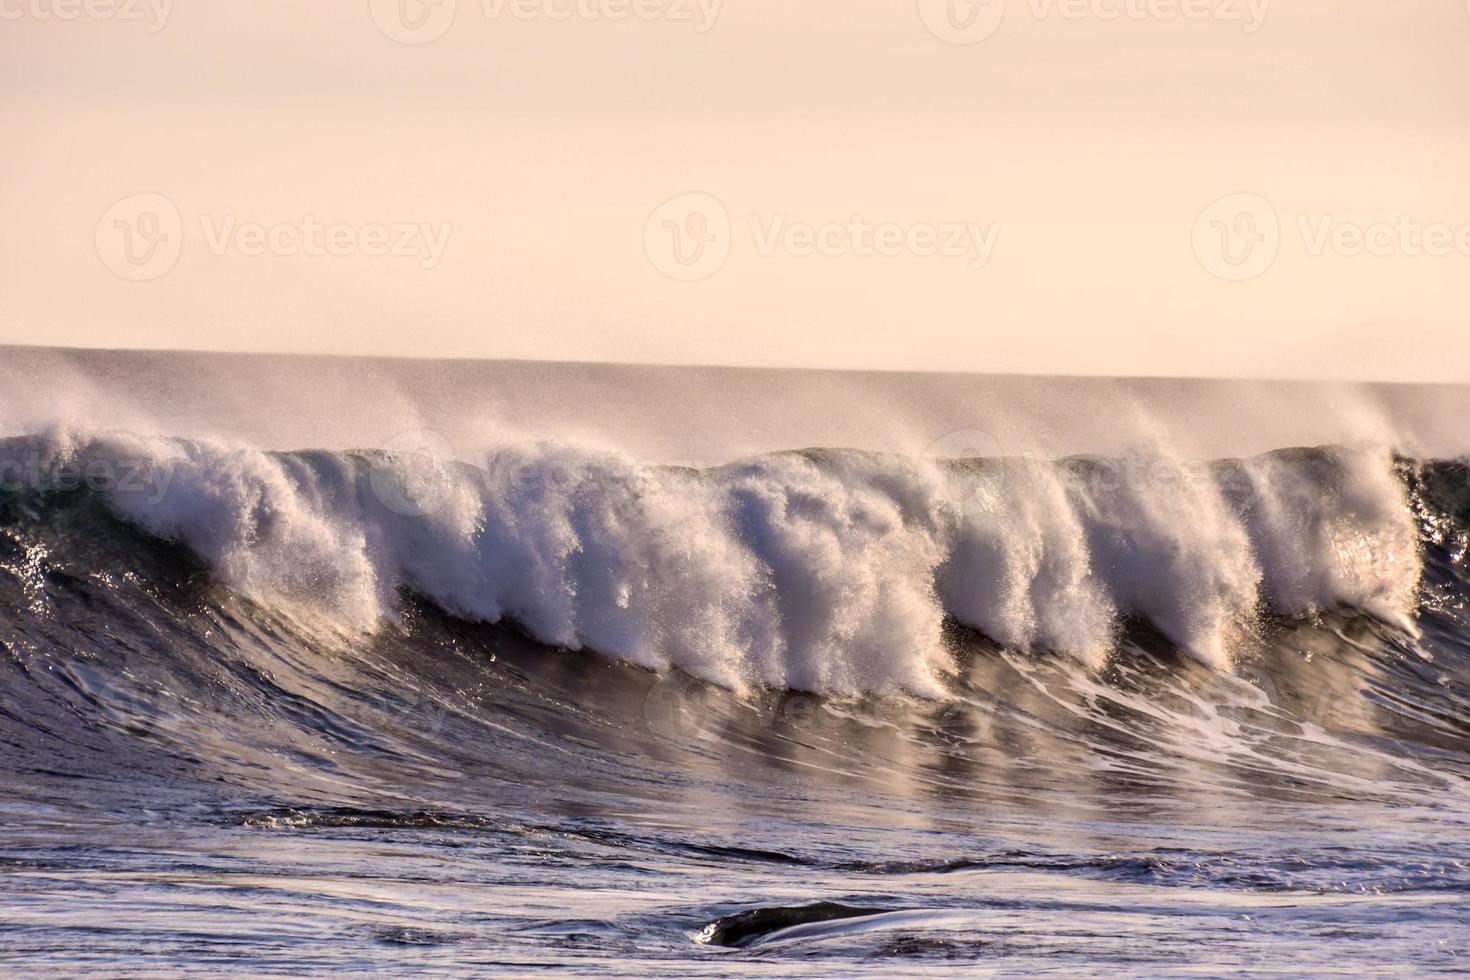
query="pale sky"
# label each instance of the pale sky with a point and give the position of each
(1027, 186)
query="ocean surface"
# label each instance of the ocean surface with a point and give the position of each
(465, 669)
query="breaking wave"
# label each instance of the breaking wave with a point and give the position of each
(833, 571)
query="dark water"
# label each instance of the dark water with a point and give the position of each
(193, 783)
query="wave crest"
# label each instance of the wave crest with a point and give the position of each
(823, 570)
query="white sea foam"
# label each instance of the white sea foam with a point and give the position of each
(829, 571)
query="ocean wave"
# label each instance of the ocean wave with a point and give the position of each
(831, 571)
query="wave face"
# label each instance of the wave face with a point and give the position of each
(825, 571)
